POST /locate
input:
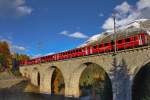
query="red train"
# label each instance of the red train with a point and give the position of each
(131, 41)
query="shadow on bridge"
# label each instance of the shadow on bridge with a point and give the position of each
(95, 83)
(57, 82)
(141, 84)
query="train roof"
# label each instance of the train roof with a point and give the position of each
(119, 35)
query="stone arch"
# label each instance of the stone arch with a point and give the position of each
(57, 82)
(47, 83)
(75, 78)
(140, 84)
(138, 68)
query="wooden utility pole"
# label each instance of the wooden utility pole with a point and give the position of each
(115, 34)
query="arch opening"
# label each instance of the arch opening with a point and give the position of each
(57, 82)
(95, 82)
(141, 84)
(38, 79)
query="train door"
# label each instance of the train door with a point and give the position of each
(140, 40)
(89, 50)
(146, 39)
(83, 51)
(86, 50)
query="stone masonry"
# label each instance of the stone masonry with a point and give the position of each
(131, 61)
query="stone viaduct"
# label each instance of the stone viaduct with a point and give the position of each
(133, 59)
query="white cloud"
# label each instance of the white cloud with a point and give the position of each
(108, 23)
(123, 8)
(14, 8)
(78, 35)
(7, 40)
(24, 10)
(143, 4)
(101, 15)
(64, 33)
(126, 13)
(18, 48)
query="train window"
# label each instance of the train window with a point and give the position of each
(80, 50)
(106, 44)
(94, 47)
(100, 45)
(134, 38)
(127, 40)
(119, 41)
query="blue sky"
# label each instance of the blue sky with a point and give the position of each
(37, 27)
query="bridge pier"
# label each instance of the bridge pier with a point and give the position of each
(121, 80)
(46, 82)
(73, 89)
(34, 80)
(122, 90)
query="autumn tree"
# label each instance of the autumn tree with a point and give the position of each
(5, 55)
(16, 58)
(58, 83)
(7, 60)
